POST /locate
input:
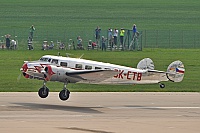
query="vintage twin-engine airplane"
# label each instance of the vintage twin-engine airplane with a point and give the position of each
(76, 70)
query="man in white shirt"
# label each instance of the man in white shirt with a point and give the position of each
(115, 34)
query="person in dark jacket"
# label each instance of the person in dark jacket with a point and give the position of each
(7, 41)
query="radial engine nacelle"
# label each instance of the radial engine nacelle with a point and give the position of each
(57, 73)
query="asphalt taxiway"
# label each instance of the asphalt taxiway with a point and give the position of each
(89, 112)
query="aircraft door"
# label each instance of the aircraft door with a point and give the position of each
(60, 75)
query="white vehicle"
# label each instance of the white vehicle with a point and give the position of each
(76, 70)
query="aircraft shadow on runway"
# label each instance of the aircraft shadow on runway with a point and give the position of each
(85, 130)
(40, 107)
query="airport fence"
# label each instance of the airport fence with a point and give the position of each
(146, 38)
(171, 39)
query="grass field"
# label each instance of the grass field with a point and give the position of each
(11, 61)
(64, 19)
(75, 15)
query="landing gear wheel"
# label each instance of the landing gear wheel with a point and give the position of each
(43, 92)
(162, 85)
(64, 94)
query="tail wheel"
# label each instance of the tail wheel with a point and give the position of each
(43, 92)
(64, 94)
(162, 85)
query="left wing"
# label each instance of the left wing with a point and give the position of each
(91, 76)
(63, 74)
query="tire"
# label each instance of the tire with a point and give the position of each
(162, 86)
(64, 95)
(43, 92)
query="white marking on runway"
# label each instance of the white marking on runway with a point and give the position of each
(154, 107)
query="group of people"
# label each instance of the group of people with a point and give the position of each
(12, 43)
(46, 46)
(9, 43)
(113, 37)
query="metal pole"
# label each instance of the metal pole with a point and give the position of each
(194, 40)
(141, 42)
(145, 39)
(182, 39)
(169, 38)
(157, 38)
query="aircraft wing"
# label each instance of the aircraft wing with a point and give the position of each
(91, 76)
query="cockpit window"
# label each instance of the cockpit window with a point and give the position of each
(41, 59)
(44, 59)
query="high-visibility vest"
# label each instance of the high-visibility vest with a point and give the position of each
(122, 32)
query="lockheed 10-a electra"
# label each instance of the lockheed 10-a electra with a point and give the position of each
(77, 70)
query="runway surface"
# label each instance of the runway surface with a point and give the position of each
(100, 113)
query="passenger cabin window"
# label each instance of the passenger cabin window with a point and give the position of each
(54, 61)
(97, 68)
(88, 67)
(63, 64)
(78, 66)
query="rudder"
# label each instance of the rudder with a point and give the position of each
(175, 71)
(146, 63)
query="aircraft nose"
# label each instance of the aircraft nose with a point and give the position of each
(24, 67)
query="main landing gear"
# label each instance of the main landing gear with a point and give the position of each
(44, 91)
(63, 95)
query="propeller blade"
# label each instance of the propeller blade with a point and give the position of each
(19, 77)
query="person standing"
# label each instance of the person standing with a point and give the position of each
(79, 43)
(97, 34)
(115, 34)
(32, 29)
(103, 47)
(110, 36)
(134, 30)
(7, 41)
(122, 31)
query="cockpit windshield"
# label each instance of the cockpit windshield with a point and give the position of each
(45, 59)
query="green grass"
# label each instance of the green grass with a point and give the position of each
(64, 19)
(87, 14)
(11, 61)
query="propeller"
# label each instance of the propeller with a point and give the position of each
(19, 77)
(23, 69)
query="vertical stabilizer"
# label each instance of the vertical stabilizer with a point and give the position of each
(146, 63)
(175, 71)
